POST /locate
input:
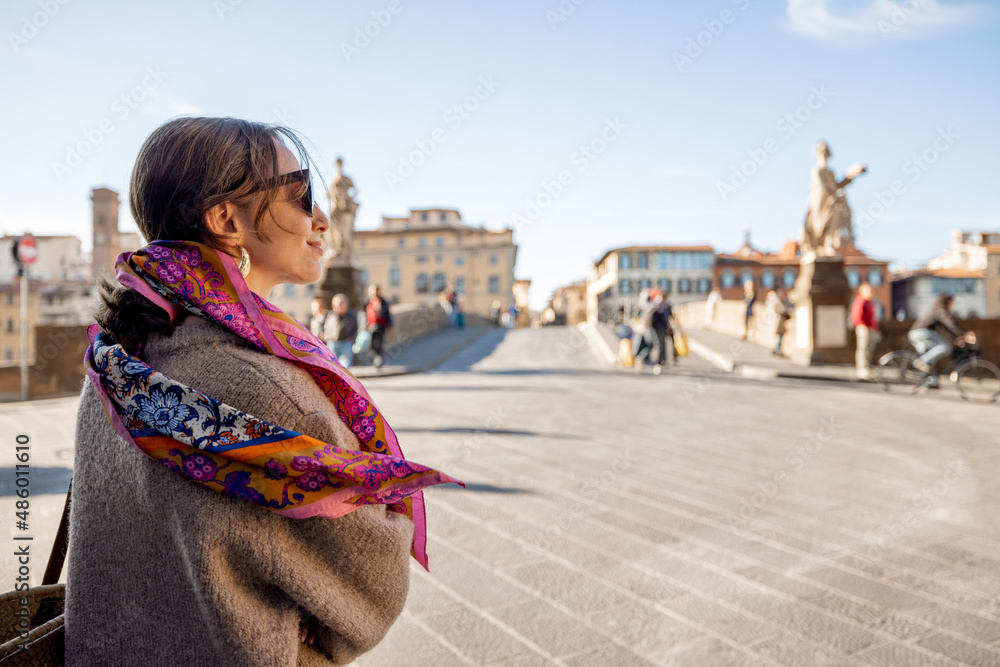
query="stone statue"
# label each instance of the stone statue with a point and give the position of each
(342, 212)
(828, 222)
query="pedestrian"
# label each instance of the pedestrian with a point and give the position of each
(660, 322)
(341, 330)
(379, 323)
(495, 311)
(318, 309)
(926, 335)
(449, 303)
(237, 499)
(749, 299)
(511, 315)
(865, 330)
(714, 297)
(777, 306)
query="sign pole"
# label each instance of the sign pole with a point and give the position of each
(24, 332)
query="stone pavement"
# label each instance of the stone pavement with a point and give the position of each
(695, 518)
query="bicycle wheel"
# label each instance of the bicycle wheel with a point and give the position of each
(977, 381)
(900, 372)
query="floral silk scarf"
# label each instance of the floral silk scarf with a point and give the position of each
(226, 450)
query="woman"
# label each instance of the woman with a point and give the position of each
(237, 499)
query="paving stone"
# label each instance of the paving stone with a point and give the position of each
(903, 655)
(649, 630)
(741, 628)
(475, 583)
(712, 653)
(568, 587)
(969, 625)
(406, 638)
(793, 651)
(555, 631)
(963, 651)
(867, 588)
(426, 599)
(479, 639)
(608, 654)
(652, 587)
(794, 587)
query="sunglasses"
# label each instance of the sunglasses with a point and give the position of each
(305, 201)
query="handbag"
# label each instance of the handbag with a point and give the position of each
(32, 632)
(363, 342)
(681, 345)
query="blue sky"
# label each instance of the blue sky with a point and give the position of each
(684, 93)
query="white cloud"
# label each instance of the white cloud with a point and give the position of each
(879, 19)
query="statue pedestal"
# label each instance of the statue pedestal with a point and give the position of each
(342, 277)
(821, 297)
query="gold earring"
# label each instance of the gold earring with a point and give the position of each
(244, 262)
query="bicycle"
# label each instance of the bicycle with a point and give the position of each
(975, 378)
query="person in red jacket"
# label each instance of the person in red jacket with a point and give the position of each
(379, 321)
(866, 329)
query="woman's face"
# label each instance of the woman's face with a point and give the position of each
(293, 249)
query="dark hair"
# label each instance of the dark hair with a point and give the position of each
(184, 168)
(944, 299)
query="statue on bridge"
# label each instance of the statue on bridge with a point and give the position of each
(343, 209)
(828, 222)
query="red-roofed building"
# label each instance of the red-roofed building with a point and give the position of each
(770, 270)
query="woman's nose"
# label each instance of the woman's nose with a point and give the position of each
(319, 219)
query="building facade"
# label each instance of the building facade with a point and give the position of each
(915, 292)
(684, 273)
(976, 253)
(569, 304)
(10, 322)
(414, 258)
(59, 258)
(769, 271)
(108, 240)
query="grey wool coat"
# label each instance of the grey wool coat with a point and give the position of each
(164, 572)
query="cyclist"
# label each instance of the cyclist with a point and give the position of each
(925, 335)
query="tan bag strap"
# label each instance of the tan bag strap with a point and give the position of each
(58, 556)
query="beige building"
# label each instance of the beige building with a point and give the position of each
(60, 258)
(414, 258)
(10, 322)
(569, 304)
(974, 255)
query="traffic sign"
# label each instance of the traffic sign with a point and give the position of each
(27, 250)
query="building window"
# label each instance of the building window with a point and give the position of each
(364, 276)
(663, 284)
(394, 277)
(422, 242)
(879, 310)
(494, 259)
(421, 259)
(290, 291)
(853, 277)
(746, 276)
(624, 261)
(423, 217)
(663, 260)
(10, 298)
(310, 290)
(443, 217)
(421, 283)
(401, 241)
(439, 282)
(704, 285)
(684, 286)
(9, 354)
(439, 241)
(494, 285)
(459, 285)
(459, 260)
(875, 277)
(728, 278)
(788, 278)
(625, 286)
(394, 299)
(643, 260)
(439, 258)
(767, 279)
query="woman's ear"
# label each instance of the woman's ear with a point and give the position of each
(221, 221)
